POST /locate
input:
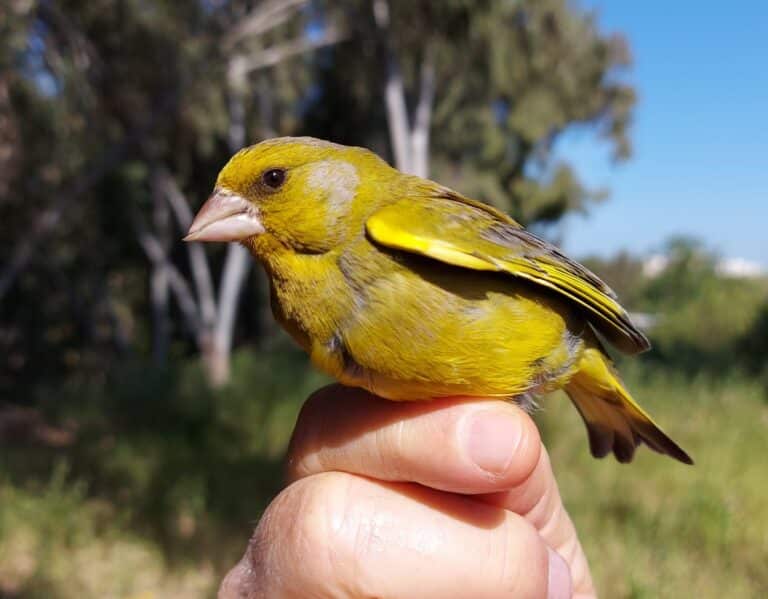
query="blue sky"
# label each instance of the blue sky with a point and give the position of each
(700, 164)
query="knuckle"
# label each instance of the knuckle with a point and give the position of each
(392, 451)
(305, 529)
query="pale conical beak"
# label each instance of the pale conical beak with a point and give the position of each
(225, 217)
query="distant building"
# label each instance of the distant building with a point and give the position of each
(654, 265)
(740, 268)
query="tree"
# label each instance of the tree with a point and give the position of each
(116, 116)
(481, 91)
(129, 112)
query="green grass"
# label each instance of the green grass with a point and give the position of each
(157, 498)
(657, 528)
(56, 543)
(162, 488)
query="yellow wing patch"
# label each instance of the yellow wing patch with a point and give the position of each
(458, 231)
(383, 231)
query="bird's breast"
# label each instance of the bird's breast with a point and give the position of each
(408, 327)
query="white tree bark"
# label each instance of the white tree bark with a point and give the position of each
(232, 280)
(198, 262)
(216, 355)
(216, 316)
(423, 117)
(394, 93)
(273, 55)
(409, 136)
(237, 262)
(263, 18)
(185, 298)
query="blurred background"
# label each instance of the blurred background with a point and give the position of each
(146, 396)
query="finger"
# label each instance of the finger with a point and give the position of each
(538, 500)
(460, 445)
(340, 535)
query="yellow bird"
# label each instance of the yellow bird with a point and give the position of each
(408, 289)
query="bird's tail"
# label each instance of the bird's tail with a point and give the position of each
(614, 421)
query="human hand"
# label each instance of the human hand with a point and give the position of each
(449, 498)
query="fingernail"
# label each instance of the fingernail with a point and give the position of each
(559, 581)
(493, 438)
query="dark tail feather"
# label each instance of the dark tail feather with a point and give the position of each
(614, 421)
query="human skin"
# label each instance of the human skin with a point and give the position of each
(443, 499)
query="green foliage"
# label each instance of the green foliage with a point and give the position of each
(529, 71)
(660, 529)
(753, 346)
(511, 78)
(57, 542)
(186, 467)
(704, 320)
(624, 274)
(706, 332)
(94, 97)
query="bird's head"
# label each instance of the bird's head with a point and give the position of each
(302, 193)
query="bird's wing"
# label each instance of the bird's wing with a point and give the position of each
(462, 232)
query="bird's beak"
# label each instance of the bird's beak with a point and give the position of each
(226, 216)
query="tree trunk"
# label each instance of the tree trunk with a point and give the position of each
(158, 283)
(217, 353)
(216, 362)
(410, 142)
(422, 121)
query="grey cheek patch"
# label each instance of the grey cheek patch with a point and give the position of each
(338, 181)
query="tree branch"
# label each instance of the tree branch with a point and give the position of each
(423, 118)
(184, 296)
(201, 272)
(237, 88)
(236, 263)
(279, 52)
(394, 92)
(267, 16)
(235, 269)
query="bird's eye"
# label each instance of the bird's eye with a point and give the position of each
(273, 178)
